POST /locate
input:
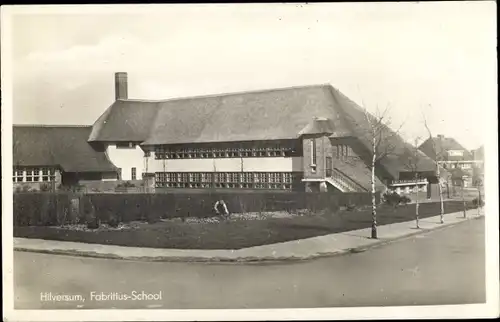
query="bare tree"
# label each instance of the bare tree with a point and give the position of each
(381, 140)
(412, 158)
(479, 184)
(463, 197)
(437, 158)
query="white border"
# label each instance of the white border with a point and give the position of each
(489, 125)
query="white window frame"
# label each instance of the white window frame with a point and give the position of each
(314, 157)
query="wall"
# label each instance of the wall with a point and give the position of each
(107, 186)
(326, 147)
(360, 153)
(353, 154)
(252, 164)
(126, 159)
(108, 176)
(323, 148)
(75, 178)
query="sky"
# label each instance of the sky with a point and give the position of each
(433, 59)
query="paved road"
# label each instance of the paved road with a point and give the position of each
(440, 267)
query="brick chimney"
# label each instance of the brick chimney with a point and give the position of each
(440, 136)
(121, 86)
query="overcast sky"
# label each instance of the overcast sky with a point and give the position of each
(439, 57)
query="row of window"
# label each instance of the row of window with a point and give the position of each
(342, 151)
(33, 175)
(250, 180)
(200, 153)
(133, 173)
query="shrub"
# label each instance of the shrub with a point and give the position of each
(93, 223)
(45, 187)
(113, 221)
(89, 212)
(126, 184)
(72, 188)
(350, 207)
(404, 200)
(394, 199)
(391, 198)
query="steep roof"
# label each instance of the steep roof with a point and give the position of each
(64, 146)
(256, 115)
(444, 144)
(125, 120)
(358, 126)
(359, 172)
(284, 113)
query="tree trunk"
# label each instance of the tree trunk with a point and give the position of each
(441, 214)
(416, 201)
(374, 201)
(463, 199)
(479, 201)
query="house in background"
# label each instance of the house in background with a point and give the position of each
(45, 155)
(453, 157)
(309, 138)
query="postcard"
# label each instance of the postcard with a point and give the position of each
(212, 162)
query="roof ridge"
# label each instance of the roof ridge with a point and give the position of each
(228, 93)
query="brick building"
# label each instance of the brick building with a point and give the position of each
(300, 138)
(49, 156)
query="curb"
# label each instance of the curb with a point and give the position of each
(244, 260)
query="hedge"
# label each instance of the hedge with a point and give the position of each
(47, 208)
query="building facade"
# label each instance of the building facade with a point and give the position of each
(48, 157)
(300, 138)
(308, 138)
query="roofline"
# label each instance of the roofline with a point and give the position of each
(228, 93)
(41, 165)
(146, 143)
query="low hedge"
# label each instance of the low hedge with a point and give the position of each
(52, 209)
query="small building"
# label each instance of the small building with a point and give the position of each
(47, 156)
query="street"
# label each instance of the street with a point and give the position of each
(445, 266)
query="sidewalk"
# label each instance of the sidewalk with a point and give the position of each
(333, 244)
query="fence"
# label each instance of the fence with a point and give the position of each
(44, 208)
